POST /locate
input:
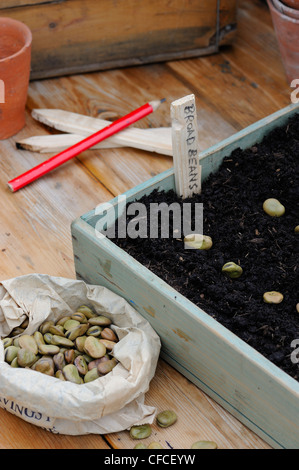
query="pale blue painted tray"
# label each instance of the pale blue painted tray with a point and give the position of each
(243, 381)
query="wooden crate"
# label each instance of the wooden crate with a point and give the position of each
(253, 389)
(74, 36)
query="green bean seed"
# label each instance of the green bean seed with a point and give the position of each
(198, 241)
(204, 445)
(61, 341)
(81, 365)
(7, 342)
(14, 362)
(25, 323)
(94, 348)
(140, 432)
(62, 320)
(59, 361)
(45, 365)
(38, 337)
(71, 374)
(28, 342)
(94, 331)
(26, 358)
(100, 320)
(59, 375)
(155, 445)
(79, 330)
(71, 323)
(17, 331)
(87, 311)
(87, 358)
(56, 330)
(140, 445)
(10, 353)
(273, 297)
(80, 317)
(166, 418)
(91, 375)
(79, 342)
(232, 270)
(44, 327)
(48, 338)
(273, 207)
(48, 349)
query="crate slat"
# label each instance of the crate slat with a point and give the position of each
(71, 38)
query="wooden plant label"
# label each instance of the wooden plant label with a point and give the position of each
(185, 146)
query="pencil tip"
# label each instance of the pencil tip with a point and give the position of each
(10, 187)
(155, 104)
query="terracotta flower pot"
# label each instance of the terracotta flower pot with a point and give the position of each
(287, 33)
(15, 56)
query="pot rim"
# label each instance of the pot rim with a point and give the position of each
(284, 9)
(27, 36)
(274, 9)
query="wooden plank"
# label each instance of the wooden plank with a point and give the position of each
(16, 433)
(67, 39)
(33, 213)
(99, 94)
(236, 98)
(198, 418)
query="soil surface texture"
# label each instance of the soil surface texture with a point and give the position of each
(265, 247)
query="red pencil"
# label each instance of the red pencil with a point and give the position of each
(65, 155)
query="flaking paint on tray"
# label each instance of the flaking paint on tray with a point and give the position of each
(108, 280)
(182, 334)
(150, 311)
(106, 265)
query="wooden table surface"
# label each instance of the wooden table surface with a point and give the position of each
(242, 84)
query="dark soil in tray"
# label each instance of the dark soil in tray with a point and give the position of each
(266, 247)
